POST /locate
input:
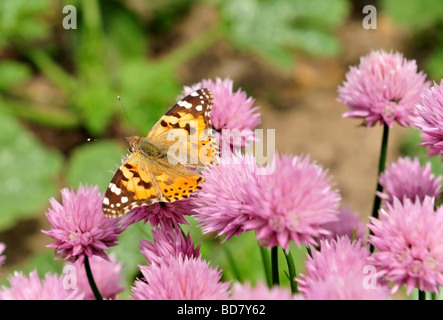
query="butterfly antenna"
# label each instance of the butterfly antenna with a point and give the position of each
(126, 112)
(101, 140)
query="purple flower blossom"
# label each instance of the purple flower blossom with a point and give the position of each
(167, 215)
(107, 277)
(2, 257)
(406, 178)
(79, 226)
(384, 87)
(430, 122)
(181, 278)
(345, 226)
(259, 292)
(343, 264)
(52, 287)
(232, 115)
(220, 204)
(292, 203)
(344, 288)
(338, 257)
(409, 240)
(168, 244)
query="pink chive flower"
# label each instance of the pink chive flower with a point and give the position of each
(166, 215)
(384, 88)
(233, 114)
(107, 276)
(430, 110)
(2, 257)
(345, 226)
(220, 205)
(291, 203)
(181, 278)
(79, 226)
(344, 288)
(338, 257)
(51, 287)
(168, 244)
(344, 264)
(406, 178)
(259, 292)
(409, 240)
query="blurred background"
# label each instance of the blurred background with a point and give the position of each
(63, 64)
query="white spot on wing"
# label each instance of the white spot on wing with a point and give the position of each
(184, 104)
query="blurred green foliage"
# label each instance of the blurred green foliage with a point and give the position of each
(28, 175)
(93, 164)
(274, 29)
(424, 19)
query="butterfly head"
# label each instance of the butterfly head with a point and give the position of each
(133, 142)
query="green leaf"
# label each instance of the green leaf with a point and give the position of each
(22, 20)
(412, 14)
(93, 164)
(124, 30)
(434, 64)
(13, 73)
(148, 91)
(95, 101)
(273, 28)
(28, 175)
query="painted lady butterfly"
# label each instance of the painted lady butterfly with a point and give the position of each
(153, 172)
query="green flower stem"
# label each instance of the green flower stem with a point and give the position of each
(92, 17)
(91, 281)
(274, 266)
(232, 263)
(421, 295)
(266, 265)
(291, 271)
(381, 169)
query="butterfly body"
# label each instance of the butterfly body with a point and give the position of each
(146, 147)
(161, 166)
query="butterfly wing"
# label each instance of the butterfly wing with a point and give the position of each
(143, 181)
(187, 126)
(130, 187)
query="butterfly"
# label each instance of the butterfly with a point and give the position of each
(164, 165)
